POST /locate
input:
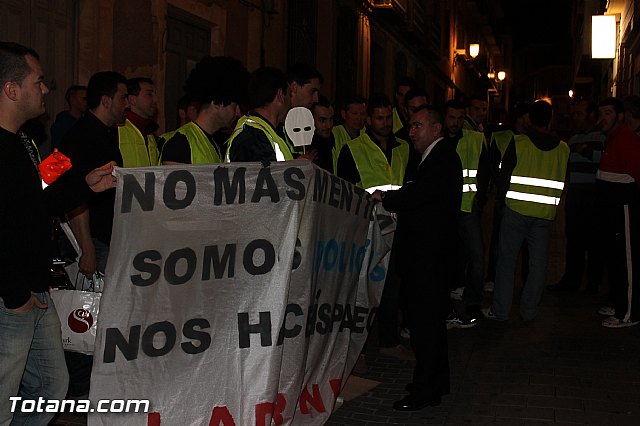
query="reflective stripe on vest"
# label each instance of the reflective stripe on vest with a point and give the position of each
(545, 183)
(382, 188)
(534, 198)
(469, 173)
(469, 149)
(537, 180)
(469, 188)
(135, 150)
(280, 147)
(372, 164)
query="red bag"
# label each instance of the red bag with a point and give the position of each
(54, 166)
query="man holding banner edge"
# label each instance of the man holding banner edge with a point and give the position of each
(427, 211)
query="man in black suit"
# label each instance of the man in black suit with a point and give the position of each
(426, 236)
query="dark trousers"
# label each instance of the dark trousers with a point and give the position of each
(620, 225)
(470, 267)
(427, 308)
(387, 315)
(583, 245)
(79, 367)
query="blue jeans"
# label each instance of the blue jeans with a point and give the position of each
(514, 229)
(31, 361)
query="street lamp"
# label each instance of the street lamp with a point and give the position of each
(474, 50)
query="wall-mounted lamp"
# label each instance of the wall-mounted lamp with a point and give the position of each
(474, 50)
(571, 93)
(491, 75)
(460, 55)
(502, 75)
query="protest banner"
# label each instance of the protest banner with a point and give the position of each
(236, 294)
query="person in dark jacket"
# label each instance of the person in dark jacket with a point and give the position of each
(32, 363)
(426, 234)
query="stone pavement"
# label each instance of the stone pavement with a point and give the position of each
(562, 368)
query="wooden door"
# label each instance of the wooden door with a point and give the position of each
(48, 26)
(188, 41)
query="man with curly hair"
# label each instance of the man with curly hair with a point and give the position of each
(219, 84)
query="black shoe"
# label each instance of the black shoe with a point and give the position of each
(413, 402)
(460, 321)
(473, 312)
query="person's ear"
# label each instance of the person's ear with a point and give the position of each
(106, 101)
(293, 88)
(11, 90)
(216, 107)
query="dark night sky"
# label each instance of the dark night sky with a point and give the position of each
(538, 21)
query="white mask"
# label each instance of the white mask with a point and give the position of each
(299, 126)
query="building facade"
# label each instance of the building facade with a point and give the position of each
(618, 76)
(360, 46)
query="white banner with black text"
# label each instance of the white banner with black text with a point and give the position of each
(236, 294)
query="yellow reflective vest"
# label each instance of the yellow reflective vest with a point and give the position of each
(501, 139)
(373, 167)
(168, 135)
(397, 121)
(469, 149)
(537, 179)
(281, 148)
(202, 150)
(341, 137)
(135, 150)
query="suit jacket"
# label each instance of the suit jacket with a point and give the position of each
(428, 209)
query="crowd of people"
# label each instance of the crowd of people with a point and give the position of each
(435, 166)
